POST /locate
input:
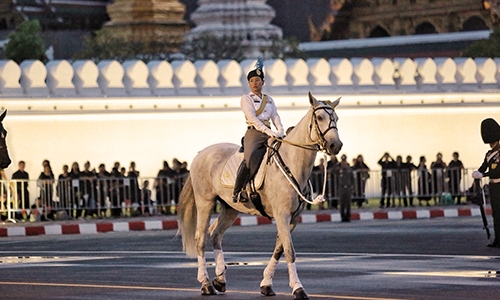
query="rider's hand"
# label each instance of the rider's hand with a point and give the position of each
(477, 175)
(272, 134)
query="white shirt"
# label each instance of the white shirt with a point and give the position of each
(250, 103)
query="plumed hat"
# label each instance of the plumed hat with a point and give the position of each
(490, 131)
(257, 71)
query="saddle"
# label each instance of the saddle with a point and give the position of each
(230, 170)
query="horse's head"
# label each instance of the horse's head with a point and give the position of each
(324, 120)
(4, 153)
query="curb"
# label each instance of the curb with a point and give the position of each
(307, 217)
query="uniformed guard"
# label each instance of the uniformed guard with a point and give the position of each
(259, 110)
(490, 132)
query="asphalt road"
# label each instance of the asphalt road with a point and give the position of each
(442, 258)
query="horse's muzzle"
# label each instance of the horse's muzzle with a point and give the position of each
(336, 147)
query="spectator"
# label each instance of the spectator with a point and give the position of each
(63, 189)
(146, 207)
(454, 172)
(76, 190)
(115, 171)
(424, 182)
(362, 174)
(387, 164)
(46, 182)
(346, 186)
(332, 182)
(399, 187)
(103, 187)
(88, 179)
(22, 193)
(438, 169)
(164, 191)
(408, 168)
(133, 176)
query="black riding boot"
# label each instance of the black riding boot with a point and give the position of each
(241, 180)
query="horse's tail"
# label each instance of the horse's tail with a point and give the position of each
(186, 212)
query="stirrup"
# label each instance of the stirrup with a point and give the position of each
(242, 196)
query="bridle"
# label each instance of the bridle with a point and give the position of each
(323, 143)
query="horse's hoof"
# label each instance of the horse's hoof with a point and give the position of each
(300, 294)
(267, 290)
(208, 290)
(219, 285)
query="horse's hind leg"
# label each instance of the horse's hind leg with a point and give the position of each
(224, 221)
(204, 211)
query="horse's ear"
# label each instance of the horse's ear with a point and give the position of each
(312, 100)
(2, 116)
(336, 102)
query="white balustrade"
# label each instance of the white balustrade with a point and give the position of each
(184, 77)
(446, 70)
(59, 78)
(466, 72)
(111, 78)
(33, 75)
(342, 71)
(10, 74)
(319, 74)
(85, 78)
(207, 77)
(275, 75)
(384, 70)
(135, 78)
(230, 76)
(160, 78)
(363, 72)
(426, 73)
(406, 70)
(298, 72)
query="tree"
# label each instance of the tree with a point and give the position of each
(209, 46)
(26, 42)
(105, 45)
(485, 48)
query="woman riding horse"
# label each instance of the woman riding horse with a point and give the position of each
(258, 109)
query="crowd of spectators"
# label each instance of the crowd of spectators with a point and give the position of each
(440, 182)
(99, 192)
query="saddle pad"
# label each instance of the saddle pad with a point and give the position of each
(230, 170)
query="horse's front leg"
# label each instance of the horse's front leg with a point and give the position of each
(203, 221)
(266, 285)
(224, 221)
(285, 228)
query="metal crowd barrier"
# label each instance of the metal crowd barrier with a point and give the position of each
(37, 200)
(436, 186)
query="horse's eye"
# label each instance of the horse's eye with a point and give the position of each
(320, 118)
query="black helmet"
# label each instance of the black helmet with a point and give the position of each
(490, 131)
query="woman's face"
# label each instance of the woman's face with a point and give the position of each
(255, 83)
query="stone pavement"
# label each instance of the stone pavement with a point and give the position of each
(93, 226)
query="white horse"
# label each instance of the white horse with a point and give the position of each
(281, 197)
